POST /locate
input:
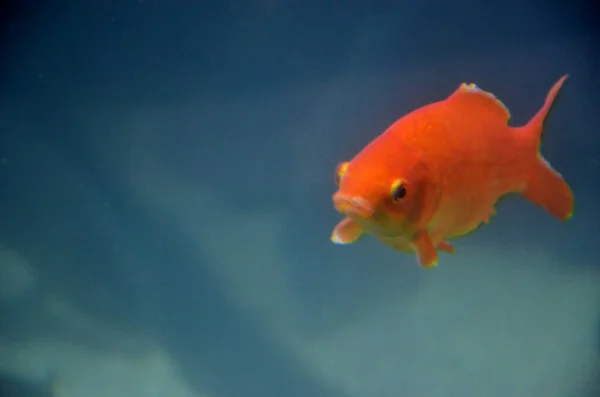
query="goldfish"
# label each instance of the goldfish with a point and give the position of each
(437, 173)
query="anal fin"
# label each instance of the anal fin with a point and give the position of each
(488, 217)
(446, 247)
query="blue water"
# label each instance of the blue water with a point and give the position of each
(166, 171)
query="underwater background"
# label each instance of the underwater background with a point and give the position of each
(166, 171)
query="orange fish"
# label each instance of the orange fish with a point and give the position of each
(437, 173)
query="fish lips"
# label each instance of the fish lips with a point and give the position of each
(353, 206)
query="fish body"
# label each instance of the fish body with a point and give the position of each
(438, 172)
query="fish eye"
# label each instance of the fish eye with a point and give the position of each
(340, 171)
(398, 190)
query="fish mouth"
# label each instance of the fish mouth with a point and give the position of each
(354, 207)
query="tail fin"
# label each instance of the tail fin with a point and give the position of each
(545, 186)
(535, 126)
(548, 189)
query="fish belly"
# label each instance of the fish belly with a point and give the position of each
(459, 216)
(398, 243)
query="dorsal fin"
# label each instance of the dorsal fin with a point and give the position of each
(476, 98)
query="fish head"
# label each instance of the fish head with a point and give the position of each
(388, 199)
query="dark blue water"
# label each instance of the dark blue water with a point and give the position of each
(166, 171)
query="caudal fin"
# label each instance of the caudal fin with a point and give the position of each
(546, 187)
(533, 129)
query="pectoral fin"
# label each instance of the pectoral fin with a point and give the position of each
(426, 253)
(346, 232)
